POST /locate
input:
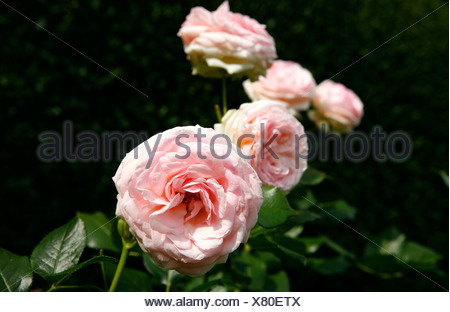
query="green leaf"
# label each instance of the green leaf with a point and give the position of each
(302, 198)
(15, 272)
(259, 230)
(340, 209)
(275, 208)
(291, 247)
(163, 276)
(419, 256)
(312, 244)
(338, 248)
(396, 250)
(277, 282)
(312, 177)
(77, 288)
(261, 242)
(282, 246)
(294, 232)
(99, 231)
(174, 277)
(66, 274)
(195, 282)
(159, 273)
(130, 280)
(59, 250)
(378, 264)
(329, 266)
(257, 273)
(444, 176)
(205, 286)
(392, 246)
(254, 268)
(384, 260)
(272, 262)
(305, 216)
(218, 288)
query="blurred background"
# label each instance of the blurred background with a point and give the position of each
(403, 84)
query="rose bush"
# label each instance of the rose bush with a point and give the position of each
(264, 126)
(223, 42)
(285, 81)
(186, 207)
(336, 105)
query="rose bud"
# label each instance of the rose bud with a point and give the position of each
(285, 81)
(337, 106)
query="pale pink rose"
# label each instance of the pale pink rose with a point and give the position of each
(285, 81)
(256, 127)
(337, 106)
(188, 214)
(222, 42)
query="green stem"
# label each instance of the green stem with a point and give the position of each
(120, 266)
(169, 283)
(218, 113)
(102, 266)
(379, 274)
(224, 95)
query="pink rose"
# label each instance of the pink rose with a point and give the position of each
(273, 139)
(285, 81)
(186, 207)
(222, 42)
(336, 105)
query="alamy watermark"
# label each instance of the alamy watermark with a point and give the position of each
(89, 146)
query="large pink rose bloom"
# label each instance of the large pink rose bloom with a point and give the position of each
(337, 106)
(221, 42)
(256, 127)
(188, 214)
(285, 81)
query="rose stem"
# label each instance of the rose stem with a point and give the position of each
(120, 266)
(102, 266)
(224, 95)
(169, 282)
(218, 113)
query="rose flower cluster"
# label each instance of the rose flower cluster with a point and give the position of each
(189, 211)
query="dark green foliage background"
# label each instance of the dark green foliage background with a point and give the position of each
(403, 84)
